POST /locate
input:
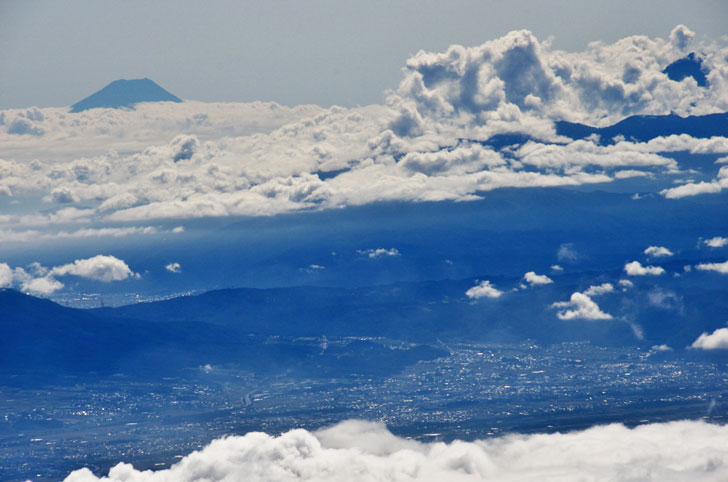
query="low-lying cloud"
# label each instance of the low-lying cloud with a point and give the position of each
(357, 451)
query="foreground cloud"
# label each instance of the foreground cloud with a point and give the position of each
(484, 289)
(718, 340)
(357, 451)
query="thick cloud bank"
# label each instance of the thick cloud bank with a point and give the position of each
(432, 141)
(520, 78)
(361, 451)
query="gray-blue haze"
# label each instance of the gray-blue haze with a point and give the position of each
(322, 51)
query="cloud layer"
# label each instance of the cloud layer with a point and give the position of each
(364, 451)
(428, 143)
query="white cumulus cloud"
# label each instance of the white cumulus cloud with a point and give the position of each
(537, 279)
(42, 286)
(580, 306)
(635, 268)
(484, 289)
(716, 242)
(100, 267)
(718, 340)
(364, 451)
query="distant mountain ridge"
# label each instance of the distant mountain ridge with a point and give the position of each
(125, 93)
(643, 128)
(43, 341)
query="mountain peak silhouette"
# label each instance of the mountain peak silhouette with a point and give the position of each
(125, 93)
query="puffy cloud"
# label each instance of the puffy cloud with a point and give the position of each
(556, 267)
(42, 286)
(716, 242)
(661, 348)
(635, 268)
(40, 280)
(718, 340)
(658, 252)
(517, 78)
(625, 283)
(717, 267)
(100, 268)
(366, 451)
(484, 289)
(681, 36)
(582, 153)
(537, 279)
(174, 268)
(379, 252)
(601, 289)
(580, 306)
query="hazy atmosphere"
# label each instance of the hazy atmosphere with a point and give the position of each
(322, 52)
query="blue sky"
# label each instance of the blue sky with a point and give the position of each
(320, 51)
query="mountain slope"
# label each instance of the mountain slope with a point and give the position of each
(645, 127)
(41, 341)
